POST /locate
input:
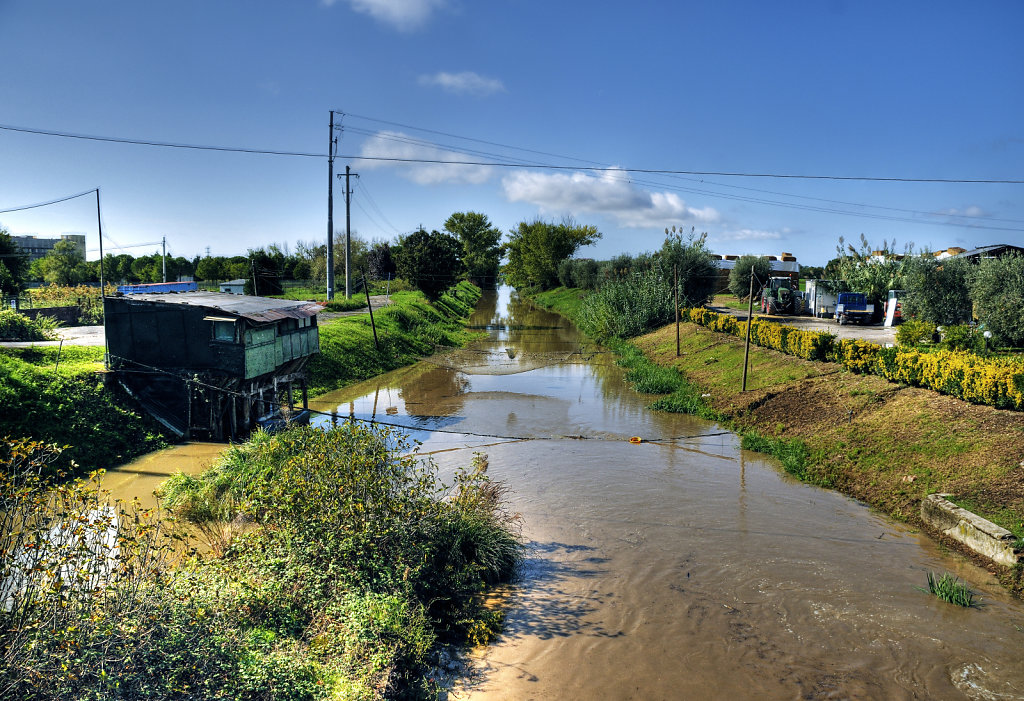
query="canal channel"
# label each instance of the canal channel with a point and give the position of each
(680, 566)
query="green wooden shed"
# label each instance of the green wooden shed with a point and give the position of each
(210, 364)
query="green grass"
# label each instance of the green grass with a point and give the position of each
(72, 406)
(407, 330)
(1010, 519)
(950, 589)
(340, 304)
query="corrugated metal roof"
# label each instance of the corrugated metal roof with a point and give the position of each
(261, 309)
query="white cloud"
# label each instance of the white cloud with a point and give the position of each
(971, 211)
(465, 83)
(747, 235)
(393, 144)
(404, 15)
(609, 193)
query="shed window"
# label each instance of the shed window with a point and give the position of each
(223, 331)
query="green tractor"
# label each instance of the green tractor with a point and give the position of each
(781, 296)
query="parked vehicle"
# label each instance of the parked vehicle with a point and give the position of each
(820, 296)
(777, 296)
(893, 303)
(853, 306)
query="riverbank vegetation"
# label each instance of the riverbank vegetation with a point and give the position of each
(887, 443)
(407, 329)
(343, 569)
(57, 395)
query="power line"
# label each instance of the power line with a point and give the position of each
(47, 203)
(625, 169)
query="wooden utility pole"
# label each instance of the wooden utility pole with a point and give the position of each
(750, 314)
(675, 289)
(164, 258)
(330, 211)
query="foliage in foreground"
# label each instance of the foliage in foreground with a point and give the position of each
(353, 564)
(18, 327)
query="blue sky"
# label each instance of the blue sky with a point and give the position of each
(929, 90)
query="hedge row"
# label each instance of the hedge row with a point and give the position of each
(997, 382)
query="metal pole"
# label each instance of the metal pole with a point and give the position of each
(165, 258)
(103, 285)
(330, 212)
(750, 313)
(366, 288)
(675, 269)
(348, 236)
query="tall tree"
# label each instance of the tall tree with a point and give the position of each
(535, 249)
(739, 276)
(430, 261)
(997, 289)
(696, 265)
(938, 290)
(481, 253)
(64, 265)
(13, 265)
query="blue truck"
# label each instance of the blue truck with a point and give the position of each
(853, 306)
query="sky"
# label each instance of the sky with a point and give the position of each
(559, 105)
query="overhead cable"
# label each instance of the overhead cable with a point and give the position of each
(394, 159)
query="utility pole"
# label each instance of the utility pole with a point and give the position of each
(750, 314)
(165, 258)
(331, 143)
(348, 236)
(103, 287)
(675, 270)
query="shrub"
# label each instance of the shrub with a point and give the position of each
(914, 331)
(997, 289)
(18, 327)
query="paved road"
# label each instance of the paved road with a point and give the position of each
(875, 333)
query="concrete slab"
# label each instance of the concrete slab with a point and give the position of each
(980, 535)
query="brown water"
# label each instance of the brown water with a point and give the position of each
(679, 568)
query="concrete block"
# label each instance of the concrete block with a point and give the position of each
(980, 535)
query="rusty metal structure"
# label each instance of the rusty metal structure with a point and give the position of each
(213, 365)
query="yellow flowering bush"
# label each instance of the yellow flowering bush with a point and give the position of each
(997, 382)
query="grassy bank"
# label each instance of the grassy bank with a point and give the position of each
(342, 569)
(886, 444)
(62, 399)
(58, 395)
(407, 329)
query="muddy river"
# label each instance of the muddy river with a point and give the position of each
(679, 567)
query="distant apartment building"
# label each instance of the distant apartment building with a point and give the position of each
(37, 248)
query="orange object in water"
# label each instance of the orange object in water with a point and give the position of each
(636, 439)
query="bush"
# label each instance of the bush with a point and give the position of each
(628, 307)
(18, 327)
(739, 276)
(998, 293)
(997, 382)
(914, 331)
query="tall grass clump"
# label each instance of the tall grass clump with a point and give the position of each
(628, 307)
(345, 538)
(950, 589)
